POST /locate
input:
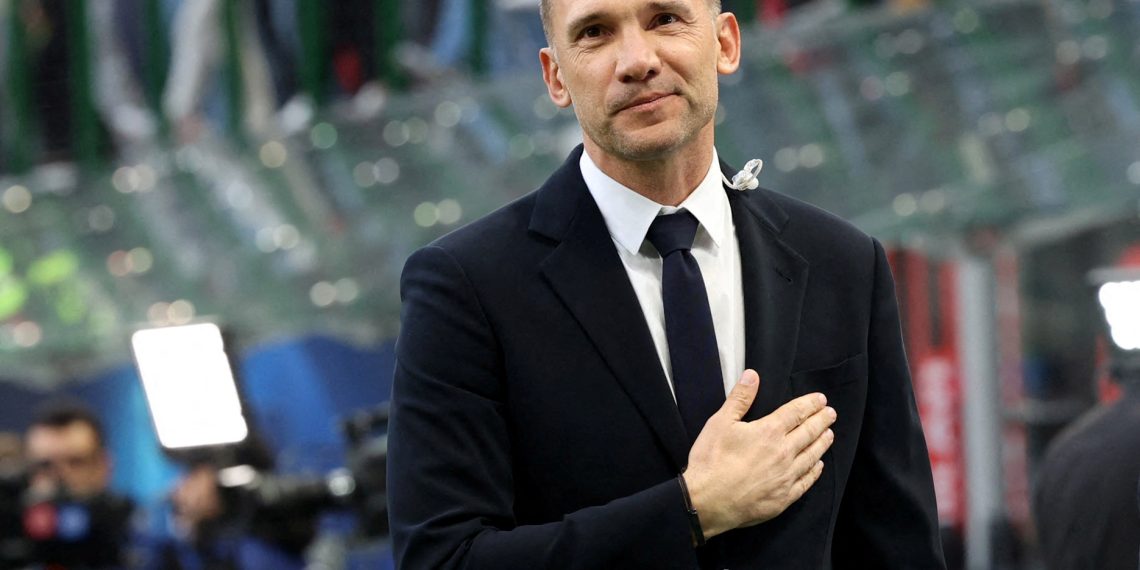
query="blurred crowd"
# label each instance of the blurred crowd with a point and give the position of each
(215, 64)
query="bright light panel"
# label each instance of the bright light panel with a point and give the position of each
(189, 386)
(1121, 302)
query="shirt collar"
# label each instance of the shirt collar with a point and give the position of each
(628, 214)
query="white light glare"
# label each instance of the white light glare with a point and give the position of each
(1121, 302)
(237, 476)
(189, 386)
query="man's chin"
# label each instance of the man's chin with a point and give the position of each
(646, 148)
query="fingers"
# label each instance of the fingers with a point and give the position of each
(791, 415)
(810, 430)
(804, 483)
(812, 454)
(741, 396)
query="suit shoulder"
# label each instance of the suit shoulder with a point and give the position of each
(490, 234)
(814, 230)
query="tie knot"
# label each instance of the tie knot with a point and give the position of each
(672, 232)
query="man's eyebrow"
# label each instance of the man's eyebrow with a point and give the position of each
(583, 20)
(656, 6)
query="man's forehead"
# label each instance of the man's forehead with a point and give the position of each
(561, 10)
(76, 434)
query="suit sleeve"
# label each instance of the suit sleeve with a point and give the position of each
(450, 466)
(888, 517)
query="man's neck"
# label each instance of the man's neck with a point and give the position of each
(667, 181)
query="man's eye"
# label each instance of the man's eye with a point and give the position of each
(665, 20)
(592, 32)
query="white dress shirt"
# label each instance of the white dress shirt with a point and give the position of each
(628, 215)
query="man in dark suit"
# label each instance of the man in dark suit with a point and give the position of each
(636, 367)
(1085, 499)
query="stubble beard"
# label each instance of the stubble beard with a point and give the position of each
(628, 146)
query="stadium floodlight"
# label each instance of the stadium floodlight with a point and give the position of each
(1118, 290)
(190, 387)
(1121, 303)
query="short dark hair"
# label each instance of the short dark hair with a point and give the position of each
(544, 13)
(62, 413)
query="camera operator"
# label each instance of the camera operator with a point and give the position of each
(71, 518)
(212, 527)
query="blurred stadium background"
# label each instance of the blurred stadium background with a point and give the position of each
(269, 164)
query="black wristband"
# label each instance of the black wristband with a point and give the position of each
(694, 520)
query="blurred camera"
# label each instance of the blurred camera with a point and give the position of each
(60, 530)
(360, 487)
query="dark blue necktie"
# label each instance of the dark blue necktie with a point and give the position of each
(689, 329)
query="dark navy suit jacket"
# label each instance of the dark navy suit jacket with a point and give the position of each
(533, 427)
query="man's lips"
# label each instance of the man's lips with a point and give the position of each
(644, 101)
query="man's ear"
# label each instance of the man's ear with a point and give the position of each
(552, 76)
(728, 39)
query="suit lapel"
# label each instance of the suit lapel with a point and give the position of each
(586, 273)
(774, 278)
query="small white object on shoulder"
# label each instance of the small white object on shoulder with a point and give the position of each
(747, 178)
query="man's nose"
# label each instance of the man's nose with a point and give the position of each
(637, 58)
